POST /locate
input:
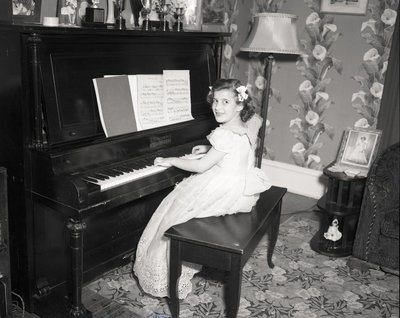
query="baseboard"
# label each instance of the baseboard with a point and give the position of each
(303, 181)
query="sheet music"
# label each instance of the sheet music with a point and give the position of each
(129, 103)
(177, 100)
(151, 111)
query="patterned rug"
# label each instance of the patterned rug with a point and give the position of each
(302, 284)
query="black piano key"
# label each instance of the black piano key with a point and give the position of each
(123, 169)
(90, 179)
(99, 176)
(135, 166)
(139, 164)
(118, 172)
(109, 172)
(103, 172)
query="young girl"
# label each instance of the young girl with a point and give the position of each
(226, 182)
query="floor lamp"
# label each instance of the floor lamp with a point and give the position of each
(271, 33)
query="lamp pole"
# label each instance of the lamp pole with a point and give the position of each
(270, 33)
(264, 107)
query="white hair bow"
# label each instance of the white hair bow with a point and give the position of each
(242, 93)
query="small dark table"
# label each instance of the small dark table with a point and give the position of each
(225, 243)
(341, 208)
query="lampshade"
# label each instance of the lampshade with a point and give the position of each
(273, 33)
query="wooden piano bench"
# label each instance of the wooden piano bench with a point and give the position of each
(226, 243)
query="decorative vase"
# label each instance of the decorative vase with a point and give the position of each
(110, 12)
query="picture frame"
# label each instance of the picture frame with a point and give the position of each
(192, 15)
(359, 148)
(355, 7)
(213, 16)
(26, 11)
(71, 12)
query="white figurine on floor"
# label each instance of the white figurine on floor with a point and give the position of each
(333, 233)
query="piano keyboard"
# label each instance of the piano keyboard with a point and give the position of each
(110, 178)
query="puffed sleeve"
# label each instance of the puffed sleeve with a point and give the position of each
(253, 126)
(221, 139)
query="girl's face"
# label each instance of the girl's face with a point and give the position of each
(225, 108)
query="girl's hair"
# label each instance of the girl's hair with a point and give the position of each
(232, 84)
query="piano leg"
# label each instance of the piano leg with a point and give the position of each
(76, 229)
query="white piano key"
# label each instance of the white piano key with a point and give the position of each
(128, 177)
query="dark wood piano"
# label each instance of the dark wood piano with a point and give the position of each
(64, 230)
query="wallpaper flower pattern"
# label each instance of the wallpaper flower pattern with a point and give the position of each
(229, 56)
(376, 31)
(303, 284)
(314, 66)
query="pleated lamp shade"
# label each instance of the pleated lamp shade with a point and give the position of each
(273, 33)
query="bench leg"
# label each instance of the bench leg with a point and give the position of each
(175, 271)
(234, 285)
(273, 231)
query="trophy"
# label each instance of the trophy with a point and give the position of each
(120, 21)
(164, 11)
(94, 14)
(180, 12)
(136, 7)
(147, 5)
(110, 12)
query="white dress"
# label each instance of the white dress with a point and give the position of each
(233, 185)
(358, 155)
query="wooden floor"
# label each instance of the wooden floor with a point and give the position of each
(105, 308)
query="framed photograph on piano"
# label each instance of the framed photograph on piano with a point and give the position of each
(213, 16)
(191, 14)
(26, 11)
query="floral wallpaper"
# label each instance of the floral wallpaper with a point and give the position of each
(314, 65)
(230, 21)
(376, 31)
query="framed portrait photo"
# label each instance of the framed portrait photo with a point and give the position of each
(213, 15)
(26, 11)
(192, 15)
(359, 148)
(357, 7)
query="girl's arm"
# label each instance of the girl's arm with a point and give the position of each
(200, 149)
(211, 158)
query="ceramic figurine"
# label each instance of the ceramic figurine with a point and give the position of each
(333, 233)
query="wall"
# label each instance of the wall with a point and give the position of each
(349, 48)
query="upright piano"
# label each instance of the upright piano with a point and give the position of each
(64, 229)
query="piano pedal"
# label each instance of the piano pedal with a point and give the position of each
(42, 288)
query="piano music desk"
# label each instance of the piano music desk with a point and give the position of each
(225, 243)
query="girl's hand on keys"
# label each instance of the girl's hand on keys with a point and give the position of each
(164, 162)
